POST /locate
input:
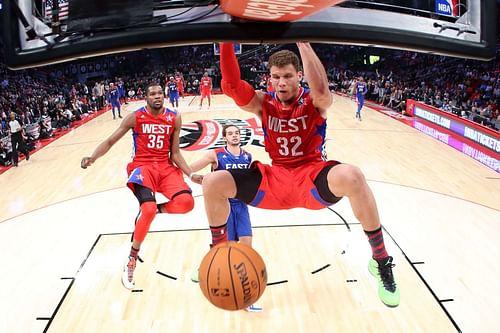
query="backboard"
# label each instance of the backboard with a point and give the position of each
(34, 35)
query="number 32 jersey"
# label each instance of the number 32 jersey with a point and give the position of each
(293, 134)
(152, 136)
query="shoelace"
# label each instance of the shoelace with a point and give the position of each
(130, 269)
(387, 277)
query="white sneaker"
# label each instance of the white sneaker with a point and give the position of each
(128, 273)
(254, 308)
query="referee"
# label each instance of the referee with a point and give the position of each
(16, 137)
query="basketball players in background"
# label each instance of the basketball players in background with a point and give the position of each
(360, 90)
(121, 91)
(294, 120)
(173, 92)
(231, 156)
(180, 83)
(114, 100)
(269, 84)
(205, 89)
(157, 166)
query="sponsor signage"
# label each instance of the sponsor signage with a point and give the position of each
(275, 10)
(482, 136)
(468, 150)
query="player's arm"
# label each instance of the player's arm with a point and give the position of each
(233, 86)
(316, 77)
(210, 158)
(353, 87)
(176, 155)
(127, 124)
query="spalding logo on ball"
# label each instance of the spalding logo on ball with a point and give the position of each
(232, 276)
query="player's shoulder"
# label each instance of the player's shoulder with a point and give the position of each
(219, 150)
(170, 114)
(141, 110)
(265, 95)
(245, 152)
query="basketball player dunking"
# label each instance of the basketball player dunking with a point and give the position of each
(239, 227)
(173, 92)
(294, 120)
(155, 130)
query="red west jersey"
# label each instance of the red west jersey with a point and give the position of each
(152, 135)
(180, 83)
(206, 83)
(295, 134)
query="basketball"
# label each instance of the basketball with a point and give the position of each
(232, 276)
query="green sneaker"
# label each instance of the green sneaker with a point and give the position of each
(388, 292)
(194, 275)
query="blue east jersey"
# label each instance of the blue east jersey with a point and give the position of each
(226, 160)
(238, 222)
(361, 89)
(114, 97)
(172, 87)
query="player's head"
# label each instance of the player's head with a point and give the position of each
(12, 115)
(171, 78)
(286, 74)
(205, 74)
(154, 96)
(362, 79)
(231, 134)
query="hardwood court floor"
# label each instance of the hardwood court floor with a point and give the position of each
(65, 232)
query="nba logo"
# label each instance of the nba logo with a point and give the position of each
(447, 7)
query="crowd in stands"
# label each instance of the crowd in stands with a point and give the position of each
(468, 89)
(52, 98)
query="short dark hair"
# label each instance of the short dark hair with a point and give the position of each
(225, 127)
(153, 84)
(283, 58)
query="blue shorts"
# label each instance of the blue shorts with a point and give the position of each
(238, 222)
(360, 99)
(173, 96)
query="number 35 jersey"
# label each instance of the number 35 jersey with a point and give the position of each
(293, 134)
(152, 136)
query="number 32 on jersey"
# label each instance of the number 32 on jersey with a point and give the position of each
(290, 146)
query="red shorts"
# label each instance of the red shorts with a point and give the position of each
(163, 178)
(205, 93)
(284, 188)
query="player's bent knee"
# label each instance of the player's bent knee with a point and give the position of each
(181, 204)
(217, 181)
(346, 179)
(148, 209)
